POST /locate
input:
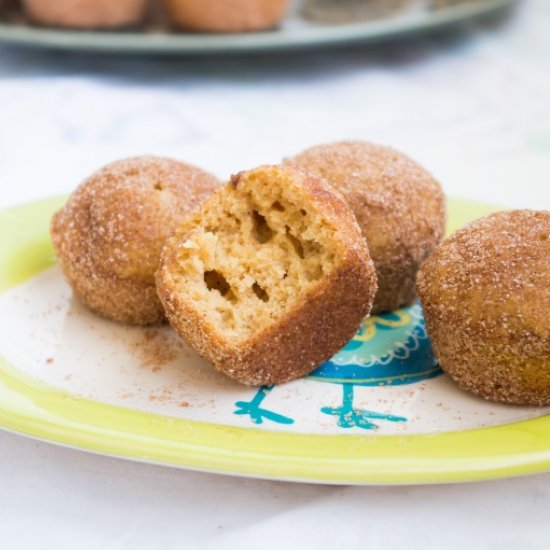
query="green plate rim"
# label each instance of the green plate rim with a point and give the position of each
(34, 409)
(313, 36)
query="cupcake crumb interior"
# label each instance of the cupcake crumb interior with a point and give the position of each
(255, 251)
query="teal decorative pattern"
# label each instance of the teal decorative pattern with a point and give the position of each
(388, 350)
(256, 413)
(348, 417)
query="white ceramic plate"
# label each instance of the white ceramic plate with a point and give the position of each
(380, 411)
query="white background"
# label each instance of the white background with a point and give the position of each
(474, 107)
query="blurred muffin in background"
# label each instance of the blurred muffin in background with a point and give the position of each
(226, 15)
(349, 11)
(4, 4)
(86, 14)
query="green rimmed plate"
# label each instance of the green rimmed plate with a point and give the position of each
(379, 412)
(295, 33)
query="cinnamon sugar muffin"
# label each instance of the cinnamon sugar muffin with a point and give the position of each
(269, 278)
(109, 235)
(227, 15)
(400, 208)
(486, 299)
(86, 14)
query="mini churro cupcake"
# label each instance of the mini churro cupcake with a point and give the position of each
(269, 278)
(399, 205)
(109, 235)
(486, 299)
(227, 15)
(86, 14)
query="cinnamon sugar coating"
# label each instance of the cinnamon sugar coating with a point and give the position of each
(227, 15)
(109, 235)
(486, 299)
(400, 208)
(269, 278)
(86, 14)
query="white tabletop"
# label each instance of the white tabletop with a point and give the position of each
(473, 107)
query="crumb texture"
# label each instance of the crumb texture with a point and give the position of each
(154, 349)
(256, 252)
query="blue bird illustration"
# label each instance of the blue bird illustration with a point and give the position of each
(388, 350)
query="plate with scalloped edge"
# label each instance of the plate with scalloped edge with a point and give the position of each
(296, 32)
(379, 412)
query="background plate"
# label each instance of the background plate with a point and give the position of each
(295, 33)
(47, 393)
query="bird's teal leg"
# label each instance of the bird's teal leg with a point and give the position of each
(348, 417)
(257, 414)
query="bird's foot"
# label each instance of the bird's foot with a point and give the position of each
(256, 413)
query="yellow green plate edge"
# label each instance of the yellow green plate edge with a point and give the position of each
(33, 409)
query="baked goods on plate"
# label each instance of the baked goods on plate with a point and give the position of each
(227, 15)
(486, 299)
(399, 205)
(86, 14)
(269, 278)
(109, 235)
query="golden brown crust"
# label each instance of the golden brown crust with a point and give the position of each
(226, 16)
(317, 326)
(486, 299)
(109, 235)
(86, 14)
(400, 208)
